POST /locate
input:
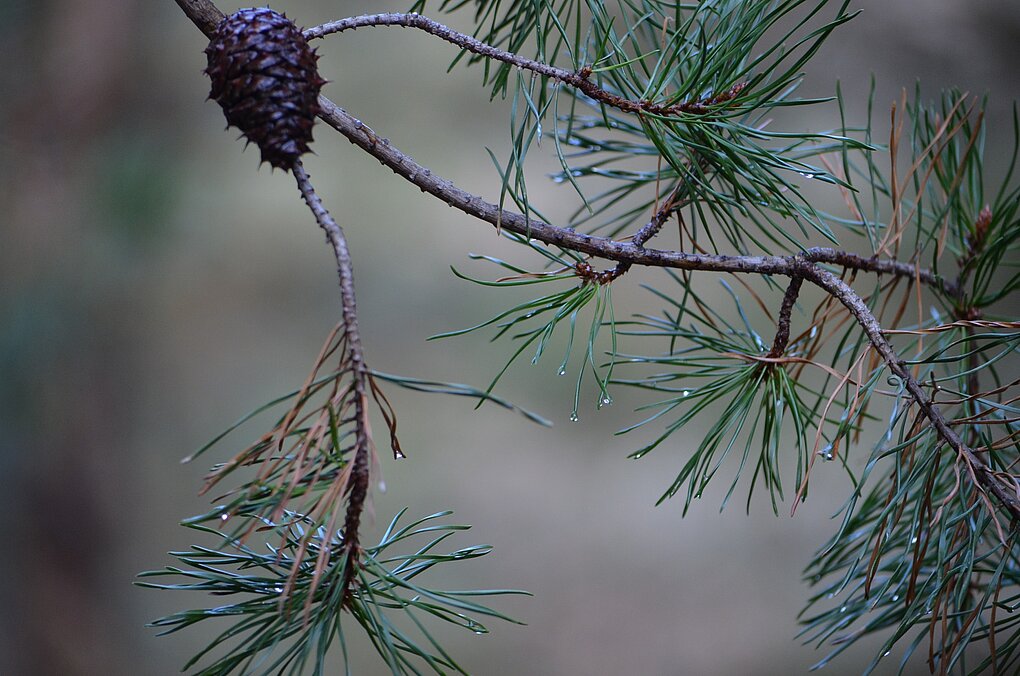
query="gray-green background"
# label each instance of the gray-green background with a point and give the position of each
(155, 284)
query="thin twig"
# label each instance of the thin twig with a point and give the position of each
(359, 480)
(579, 79)
(881, 267)
(782, 338)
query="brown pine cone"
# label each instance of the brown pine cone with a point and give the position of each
(265, 78)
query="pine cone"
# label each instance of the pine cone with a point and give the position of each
(264, 76)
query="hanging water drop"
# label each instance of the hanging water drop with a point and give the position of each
(562, 372)
(573, 417)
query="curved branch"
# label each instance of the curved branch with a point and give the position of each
(403, 165)
(980, 472)
(881, 267)
(578, 79)
(359, 478)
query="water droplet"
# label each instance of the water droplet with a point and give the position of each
(573, 417)
(278, 590)
(382, 486)
(913, 540)
(606, 401)
(807, 174)
(562, 372)
(398, 455)
(685, 393)
(896, 597)
(886, 653)
(479, 632)
(558, 179)
(843, 609)
(224, 516)
(813, 332)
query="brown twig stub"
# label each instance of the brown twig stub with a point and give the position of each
(592, 276)
(782, 338)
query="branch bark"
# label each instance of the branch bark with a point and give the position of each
(203, 14)
(359, 480)
(782, 338)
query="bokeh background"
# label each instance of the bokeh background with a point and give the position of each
(155, 284)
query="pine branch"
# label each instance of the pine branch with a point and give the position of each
(925, 429)
(978, 471)
(579, 79)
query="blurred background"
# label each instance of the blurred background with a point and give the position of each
(156, 284)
